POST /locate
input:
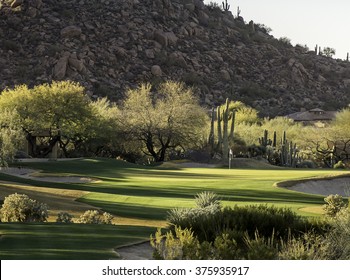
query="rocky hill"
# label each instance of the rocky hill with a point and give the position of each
(110, 45)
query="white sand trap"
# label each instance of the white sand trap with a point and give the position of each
(340, 186)
(35, 175)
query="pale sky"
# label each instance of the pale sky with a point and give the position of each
(305, 22)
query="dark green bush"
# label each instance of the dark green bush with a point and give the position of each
(306, 164)
(209, 222)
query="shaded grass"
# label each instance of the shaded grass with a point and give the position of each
(66, 241)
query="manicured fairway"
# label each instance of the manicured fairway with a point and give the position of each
(145, 194)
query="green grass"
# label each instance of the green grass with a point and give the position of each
(53, 241)
(147, 193)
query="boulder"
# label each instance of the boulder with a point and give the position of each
(171, 37)
(71, 31)
(156, 70)
(160, 37)
(75, 62)
(60, 69)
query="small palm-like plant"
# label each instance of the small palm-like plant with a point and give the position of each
(205, 199)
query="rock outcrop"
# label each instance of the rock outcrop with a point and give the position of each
(109, 46)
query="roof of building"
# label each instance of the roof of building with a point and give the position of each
(312, 115)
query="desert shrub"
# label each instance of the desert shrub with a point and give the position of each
(107, 218)
(205, 199)
(64, 217)
(225, 247)
(309, 246)
(209, 222)
(180, 245)
(250, 232)
(183, 244)
(306, 164)
(201, 220)
(338, 238)
(90, 217)
(20, 208)
(265, 219)
(339, 165)
(260, 247)
(94, 217)
(334, 203)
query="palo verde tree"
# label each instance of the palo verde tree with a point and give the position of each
(163, 118)
(59, 110)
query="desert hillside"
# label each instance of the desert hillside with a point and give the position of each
(111, 45)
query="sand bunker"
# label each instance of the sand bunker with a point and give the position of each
(324, 187)
(35, 175)
(142, 251)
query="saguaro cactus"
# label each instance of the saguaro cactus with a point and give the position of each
(219, 129)
(265, 141)
(211, 139)
(289, 152)
(225, 117)
(225, 132)
(225, 6)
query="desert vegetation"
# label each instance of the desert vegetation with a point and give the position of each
(210, 231)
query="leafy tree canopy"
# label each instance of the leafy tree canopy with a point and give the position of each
(165, 118)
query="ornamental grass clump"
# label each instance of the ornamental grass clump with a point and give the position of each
(205, 199)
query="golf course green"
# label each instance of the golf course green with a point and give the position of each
(139, 197)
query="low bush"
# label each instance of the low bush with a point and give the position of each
(339, 165)
(306, 164)
(202, 221)
(64, 217)
(94, 217)
(338, 238)
(20, 208)
(211, 221)
(180, 245)
(309, 246)
(334, 203)
(107, 218)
